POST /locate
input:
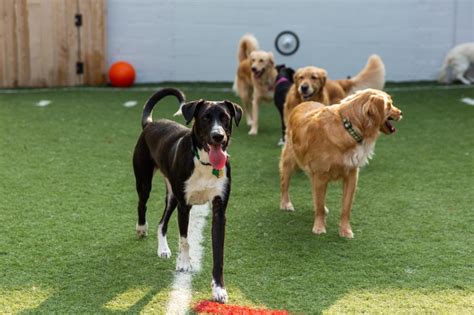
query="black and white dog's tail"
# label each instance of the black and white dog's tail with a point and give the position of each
(155, 98)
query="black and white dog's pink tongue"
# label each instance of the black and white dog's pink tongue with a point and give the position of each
(217, 157)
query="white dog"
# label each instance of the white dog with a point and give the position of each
(458, 61)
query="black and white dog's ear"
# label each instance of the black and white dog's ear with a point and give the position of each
(190, 108)
(235, 111)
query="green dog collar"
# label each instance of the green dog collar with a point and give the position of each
(348, 126)
(217, 173)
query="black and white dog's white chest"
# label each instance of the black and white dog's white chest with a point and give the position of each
(203, 186)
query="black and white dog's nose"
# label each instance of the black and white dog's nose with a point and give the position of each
(217, 137)
(304, 88)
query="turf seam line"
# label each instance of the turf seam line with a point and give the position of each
(180, 296)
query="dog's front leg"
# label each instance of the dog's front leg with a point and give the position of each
(463, 79)
(183, 261)
(350, 183)
(219, 293)
(320, 184)
(469, 78)
(255, 102)
(287, 167)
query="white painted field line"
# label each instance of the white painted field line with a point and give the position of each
(129, 104)
(43, 103)
(468, 101)
(180, 297)
(181, 293)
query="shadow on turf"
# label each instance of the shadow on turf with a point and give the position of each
(325, 270)
(108, 277)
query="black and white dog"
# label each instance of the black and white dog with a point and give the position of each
(283, 82)
(195, 168)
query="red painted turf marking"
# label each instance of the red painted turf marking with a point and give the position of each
(225, 309)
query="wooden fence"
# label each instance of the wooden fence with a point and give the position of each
(47, 43)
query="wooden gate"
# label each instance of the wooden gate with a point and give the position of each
(47, 43)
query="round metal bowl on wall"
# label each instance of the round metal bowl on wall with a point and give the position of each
(287, 43)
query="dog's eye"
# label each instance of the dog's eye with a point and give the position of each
(207, 118)
(261, 60)
(224, 119)
(301, 77)
(313, 77)
(253, 59)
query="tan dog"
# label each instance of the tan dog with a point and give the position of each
(312, 84)
(331, 143)
(255, 79)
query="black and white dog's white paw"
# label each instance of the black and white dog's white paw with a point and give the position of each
(183, 263)
(142, 230)
(219, 294)
(164, 253)
(163, 249)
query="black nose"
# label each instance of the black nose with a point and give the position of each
(254, 69)
(304, 88)
(217, 137)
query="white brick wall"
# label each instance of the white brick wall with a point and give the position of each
(196, 40)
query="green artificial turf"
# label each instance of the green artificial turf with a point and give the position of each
(68, 213)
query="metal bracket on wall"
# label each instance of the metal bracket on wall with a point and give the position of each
(79, 67)
(78, 23)
(78, 20)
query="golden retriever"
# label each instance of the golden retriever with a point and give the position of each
(312, 84)
(255, 79)
(331, 143)
(456, 64)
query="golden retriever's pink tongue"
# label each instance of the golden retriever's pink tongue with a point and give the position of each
(217, 157)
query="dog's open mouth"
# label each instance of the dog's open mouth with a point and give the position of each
(389, 126)
(258, 73)
(217, 156)
(307, 96)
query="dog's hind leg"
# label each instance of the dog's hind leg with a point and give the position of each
(170, 204)
(143, 167)
(183, 262)
(287, 168)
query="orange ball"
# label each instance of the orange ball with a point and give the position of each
(121, 74)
